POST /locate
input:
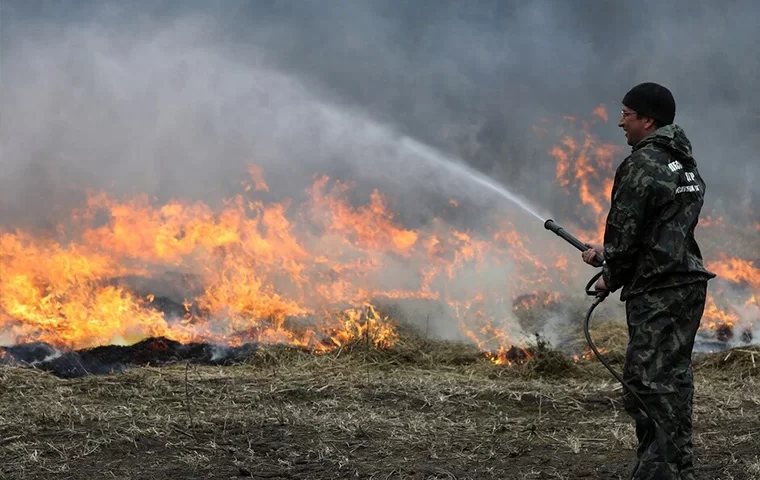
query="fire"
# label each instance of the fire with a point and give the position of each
(508, 356)
(58, 291)
(257, 177)
(736, 270)
(533, 301)
(744, 278)
(601, 113)
(252, 271)
(308, 273)
(709, 221)
(370, 227)
(716, 318)
(584, 167)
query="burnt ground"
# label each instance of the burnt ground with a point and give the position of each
(424, 410)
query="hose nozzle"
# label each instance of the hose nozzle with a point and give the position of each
(551, 225)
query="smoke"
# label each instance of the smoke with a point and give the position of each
(176, 99)
(176, 110)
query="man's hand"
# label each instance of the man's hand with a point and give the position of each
(601, 285)
(590, 255)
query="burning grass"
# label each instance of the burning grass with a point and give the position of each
(422, 409)
(310, 273)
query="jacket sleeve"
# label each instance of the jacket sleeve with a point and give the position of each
(625, 222)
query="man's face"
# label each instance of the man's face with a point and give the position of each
(635, 127)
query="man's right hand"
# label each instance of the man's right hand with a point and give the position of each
(590, 255)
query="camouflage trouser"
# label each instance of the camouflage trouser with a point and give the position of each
(662, 326)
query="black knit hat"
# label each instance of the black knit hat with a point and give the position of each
(652, 100)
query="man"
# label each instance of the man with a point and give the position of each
(650, 252)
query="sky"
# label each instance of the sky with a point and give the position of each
(175, 99)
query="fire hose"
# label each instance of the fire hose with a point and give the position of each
(600, 295)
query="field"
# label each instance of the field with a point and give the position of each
(421, 410)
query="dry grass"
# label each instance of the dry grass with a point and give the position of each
(423, 410)
(735, 362)
(609, 336)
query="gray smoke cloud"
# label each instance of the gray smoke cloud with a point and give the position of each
(176, 99)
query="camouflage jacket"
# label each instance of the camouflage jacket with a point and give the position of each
(657, 197)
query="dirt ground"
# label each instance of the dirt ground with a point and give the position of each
(428, 410)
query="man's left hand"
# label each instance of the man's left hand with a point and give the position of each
(601, 285)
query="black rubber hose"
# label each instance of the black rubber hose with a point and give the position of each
(569, 238)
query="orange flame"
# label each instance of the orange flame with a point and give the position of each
(714, 317)
(601, 113)
(246, 272)
(736, 270)
(584, 168)
(709, 221)
(257, 176)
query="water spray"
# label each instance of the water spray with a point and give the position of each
(600, 295)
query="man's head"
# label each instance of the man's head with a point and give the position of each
(646, 107)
